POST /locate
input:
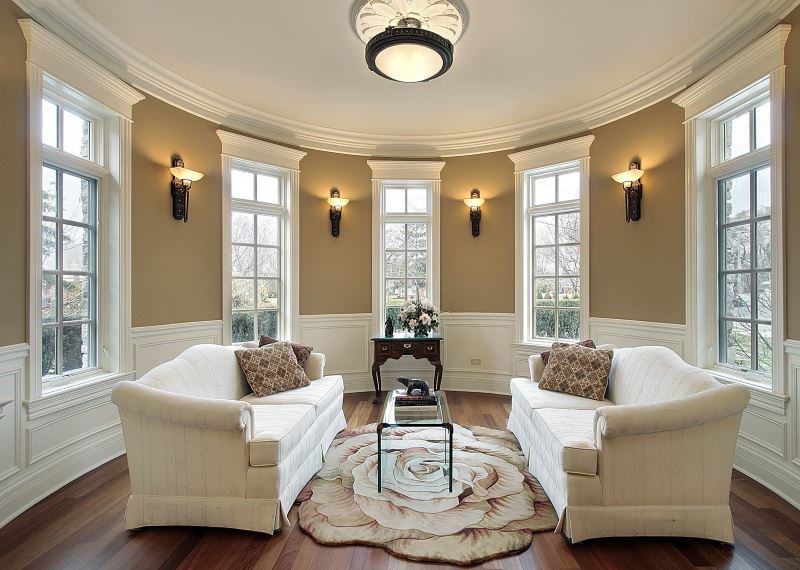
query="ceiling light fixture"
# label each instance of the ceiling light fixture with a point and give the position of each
(409, 41)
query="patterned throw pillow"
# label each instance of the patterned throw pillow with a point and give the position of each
(578, 370)
(546, 354)
(301, 352)
(272, 369)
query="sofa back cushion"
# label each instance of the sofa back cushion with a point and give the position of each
(649, 374)
(204, 370)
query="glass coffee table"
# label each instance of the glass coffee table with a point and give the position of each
(439, 418)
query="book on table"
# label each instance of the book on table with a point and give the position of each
(406, 400)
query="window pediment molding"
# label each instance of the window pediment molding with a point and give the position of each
(406, 169)
(551, 154)
(256, 150)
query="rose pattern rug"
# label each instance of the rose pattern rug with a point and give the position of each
(494, 509)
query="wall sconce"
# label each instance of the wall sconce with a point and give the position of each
(337, 203)
(475, 202)
(633, 191)
(182, 179)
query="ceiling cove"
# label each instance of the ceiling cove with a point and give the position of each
(75, 24)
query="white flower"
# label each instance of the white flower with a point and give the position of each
(425, 319)
(412, 323)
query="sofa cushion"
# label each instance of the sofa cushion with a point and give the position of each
(578, 370)
(567, 438)
(302, 352)
(589, 343)
(272, 369)
(277, 430)
(527, 393)
(320, 394)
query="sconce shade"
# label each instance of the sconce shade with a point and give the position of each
(182, 173)
(474, 202)
(628, 176)
(338, 202)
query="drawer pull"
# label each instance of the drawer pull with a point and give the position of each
(384, 349)
(406, 345)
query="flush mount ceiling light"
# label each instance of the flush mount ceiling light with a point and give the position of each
(409, 40)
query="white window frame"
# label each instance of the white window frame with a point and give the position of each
(66, 76)
(275, 160)
(532, 162)
(408, 173)
(755, 71)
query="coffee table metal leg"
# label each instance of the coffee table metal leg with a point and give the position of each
(380, 457)
(449, 428)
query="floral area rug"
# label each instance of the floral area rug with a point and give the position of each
(493, 510)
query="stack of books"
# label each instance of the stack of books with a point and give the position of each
(408, 407)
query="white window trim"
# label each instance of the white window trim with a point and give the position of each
(402, 171)
(239, 147)
(110, 101)
(703, 102)
(575, 150)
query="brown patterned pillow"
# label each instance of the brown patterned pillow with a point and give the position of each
(301, 352)
(578, 370)
(271, 369)
(546, 354)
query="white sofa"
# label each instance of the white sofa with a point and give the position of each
(653, 459)
(204, 451)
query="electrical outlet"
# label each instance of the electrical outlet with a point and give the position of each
(475, 361)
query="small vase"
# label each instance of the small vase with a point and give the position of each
(421, 332)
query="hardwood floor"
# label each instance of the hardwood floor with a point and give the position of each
(80, 526)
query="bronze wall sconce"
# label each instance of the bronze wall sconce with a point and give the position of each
(182, 179)
(475, 202)
(633, 191)
(337, 203)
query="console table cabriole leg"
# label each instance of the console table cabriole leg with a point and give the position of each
(437, 376)
(376, 380)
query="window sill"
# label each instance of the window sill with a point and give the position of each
(75, 393)
(761, 395)
(533, 346)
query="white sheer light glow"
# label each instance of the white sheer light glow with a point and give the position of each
(409, 63)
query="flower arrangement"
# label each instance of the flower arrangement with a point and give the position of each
(419, 317)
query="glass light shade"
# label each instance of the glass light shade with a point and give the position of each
(628, 176)
(338, 202)
(408, 62)
(474, 202)
(185, 174)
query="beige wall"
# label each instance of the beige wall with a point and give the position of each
(13, 165)
(792, 177)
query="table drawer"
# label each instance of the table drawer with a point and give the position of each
(430, 348)
(383, 348)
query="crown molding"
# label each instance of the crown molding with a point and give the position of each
(70, 21)
(406, 169)
(555, 153)
(247, 148)
(754, 62)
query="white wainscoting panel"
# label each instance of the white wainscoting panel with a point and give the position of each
(154, 345)
(13, 362)
(625, 333)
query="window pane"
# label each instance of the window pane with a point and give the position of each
(569, 292)
(544, 293)
(395, 200)
(48, 351)
(76, 294)
(569, 186)
(49, 123)
(243, 294)
(242, 262)
(268, 230)
(544, 230)
(569, 324)
(569, 260)
(242, 184)
(242, 228)
(76, 248)
(544, 190)
(49, 309)
(418, 289)
(395, 292)
(395, 265)
(417, 200)
(545, 323)
(764, 347)
(267, 293)
(417, 264)
(763, 194)
(267, 190)
(764, 296)
(49, 239)
(736, 198)
(763, 245)
(737, 340)
(736, 136)
(75, 199)
(569, 228)
(737, 247)
(75, 347)
(76, 135)
(738, 293)
(49, 191)
(417, 236)
(762, 125)
(268, 265)
(544, 261)
(268, 323)
(242, 327)
(394, 236)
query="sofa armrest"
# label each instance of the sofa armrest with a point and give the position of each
(315, 367)
(701, 408)
(191, 411)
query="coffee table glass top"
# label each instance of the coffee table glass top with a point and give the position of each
(440, 417)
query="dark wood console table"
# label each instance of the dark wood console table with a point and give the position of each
(387, 348)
